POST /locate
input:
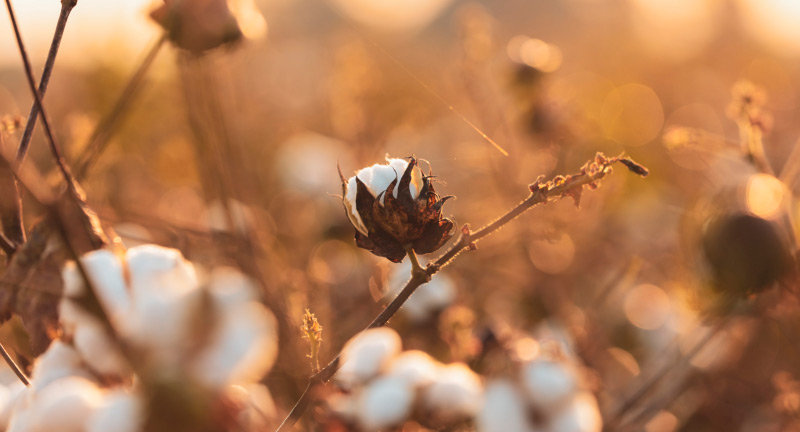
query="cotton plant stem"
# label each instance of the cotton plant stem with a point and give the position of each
(540, 193)
(105, 128)
(54, 148)
(13, 365)
(24, 144)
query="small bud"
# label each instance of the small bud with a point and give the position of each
(202, 25)
(394, 206)
(634, 167)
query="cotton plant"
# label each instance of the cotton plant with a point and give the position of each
(384, 387)
(174, 338)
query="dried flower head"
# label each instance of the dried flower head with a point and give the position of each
(392, 212)
(311, 330)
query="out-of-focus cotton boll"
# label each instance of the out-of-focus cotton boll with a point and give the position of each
(428, 299)
(503, 409)
(120, 412)
(387, 401)
(164, 298)
(581, 414)
(365, 355)
(416, 367)
(243, 344)
(455, 394)
(11, 397)
(64, 405)
(105, 273)
(59, 361)
(242, 347)
(97, 350)
(548, 384)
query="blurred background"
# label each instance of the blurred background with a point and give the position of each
(231, 157)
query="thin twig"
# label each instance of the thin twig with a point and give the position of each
(66, 8)
(99, 138)
(13, 365)
(7, 245)
(60, 161)
(541, 193)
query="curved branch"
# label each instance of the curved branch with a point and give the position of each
(541, 192)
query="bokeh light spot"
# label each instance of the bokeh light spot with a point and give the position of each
(765, 195)
(647, 306)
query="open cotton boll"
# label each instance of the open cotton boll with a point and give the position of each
(581, 414)
(105, 273)
(59, 361)
(11, 397)
(158, 269)
(365, 354)
(455, 394)
(64, 405)
(98, 351)
(377, 178)
(503, 410)
(121, 411)
(415, 367)
(386, 401)
(548, 384)
(242, 347)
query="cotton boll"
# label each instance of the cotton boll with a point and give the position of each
(503, 410)
(415, 367)
(11, 397)
(158, 269)
(242, 347)
(59, 361)
(98, 351)
(65, 405)
(120, 412)
(455, 393)
(105, 272)
(365, 354)
(581, 414)
(548, 384)
(385, 402)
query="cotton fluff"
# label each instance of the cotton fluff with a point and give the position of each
(11, 395)
(581, 414)
(386, 401)
(242, 346)
(429, 298)
(153, 298)
(548, 384)
(365, 354)
(64, 405)
(257, 408)
(455, 393)
(121, 411)
(415, 367)
(503, 409)
(377, 178)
